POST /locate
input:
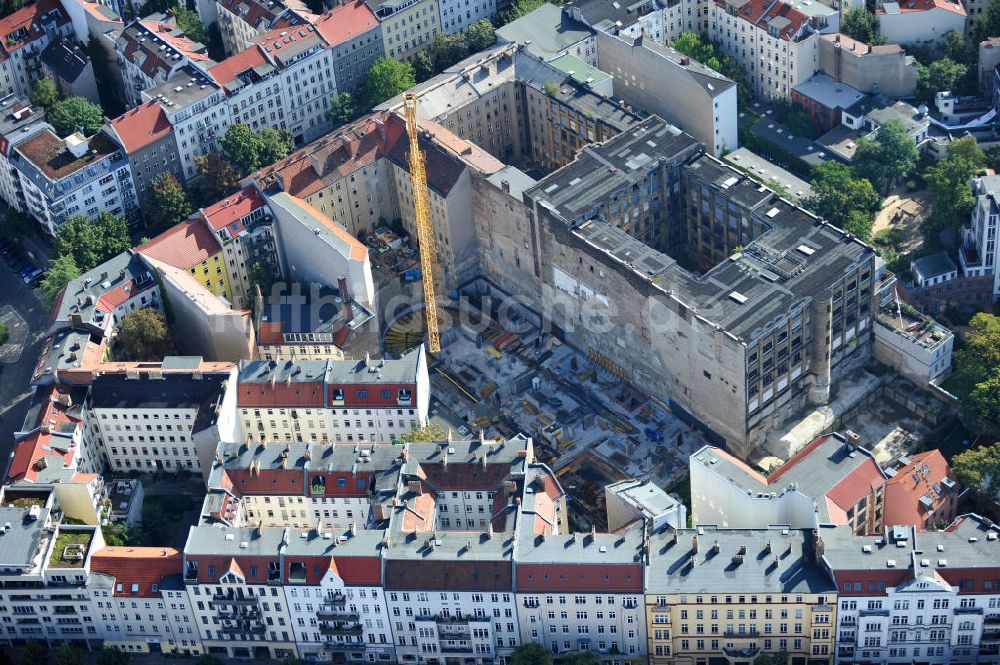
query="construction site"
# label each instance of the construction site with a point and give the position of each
(590, 426)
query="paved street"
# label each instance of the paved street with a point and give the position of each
(14, 375)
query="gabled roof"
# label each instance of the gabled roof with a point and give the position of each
(139, 572)
(250, 59)
(346, 22)
(228, 213)
(913, 6)
(926, 484)
(141, 126)
(184, 245)
(28, 25)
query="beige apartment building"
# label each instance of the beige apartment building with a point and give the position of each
(408, 26)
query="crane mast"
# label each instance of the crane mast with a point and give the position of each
(425, 228)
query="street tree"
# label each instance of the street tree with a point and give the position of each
(61, 272)
(531, 653)
(93, 241)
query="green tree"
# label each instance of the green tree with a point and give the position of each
(75, 114)
(979, 470)
(427, 434)
(262, 276)
(115, 535)
(423, 67)
(480, 35)
(68, 654)
(36, 653)
(241, 146)
(62, 271)
(519, 8)
(386, 79)
(342, 108)
(949, 179)
(578, 659)
(941, 75)
(93, 241)
(219, 178)
(143, 335)
(861, 24)
(11, 6)
(168, 203)
(976, 370)
(702, 50)
(892, 155)
(4, 333)
(190, 24)
(958, 48)
(777, 658)
(532, 653)
(843, 199)
(109, 656)
(984, 400)
(45, 95)
(447, 50)
(272, 145)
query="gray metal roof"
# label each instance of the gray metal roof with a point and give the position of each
(829, 92)
(934, 265)
(19, 545)
(548, 29)
(398, 370)
(746, 561)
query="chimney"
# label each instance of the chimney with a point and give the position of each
(505, 186)
(77, 144)
(345, 298)
(694, 544)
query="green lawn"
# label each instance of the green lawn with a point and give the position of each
(64, 540)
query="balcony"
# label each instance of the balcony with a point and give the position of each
(732, 652)
(742, 633)
(342, 629)
(242, 630)
(531, 602)
(222, 599)
(873, 613)
(991, 620)
(456, 648)
(344, 646)
(968, 610)
(333, 615)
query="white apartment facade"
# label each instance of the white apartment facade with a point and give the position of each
(26, 33)
(338, 401)
(91, 176)
(978, 256)
(457, 15)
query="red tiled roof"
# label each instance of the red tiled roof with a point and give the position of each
(141, 126)
(334, 156)
(184, 245)
(227, 213)
(927, 5)
(137, 569)
(28, 452)
(255, 11)
(281, 394)
(226, 71)
(120, 295)
(25, 26)
(792, 461)
(919, 478)
(858, 483)
(465, 476)
(346, 22)
(760, 12)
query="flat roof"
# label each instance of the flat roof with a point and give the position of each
(580, 71)
(827, 91)
(764, 171)
(48, 153)
(546, 32)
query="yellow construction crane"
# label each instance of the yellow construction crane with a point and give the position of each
(425, 227)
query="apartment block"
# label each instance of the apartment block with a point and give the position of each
(735, 593)
(830, 481)
(243, 22)
(139, 598)
(20, 121)
(885, 69)
(26, 33)
(150, 51)
(776, 42)
(549, 33)
(191, 246)
(978, 256)
(457, 15)
(355, 37)
(344, 175)
(342, 401)
(919, 21)
(408, 26)
(237, 222)
(705, 103)
(78, 175)
(906, 595)
(922, 492)
(147, 138)
(156, 420)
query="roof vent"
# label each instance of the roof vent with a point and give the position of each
(772, 213)
(891, 563)
(738, 297)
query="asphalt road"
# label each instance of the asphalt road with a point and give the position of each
(15, 395)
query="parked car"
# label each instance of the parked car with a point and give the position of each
(31, 276)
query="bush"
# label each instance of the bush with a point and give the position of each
(4, 334)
